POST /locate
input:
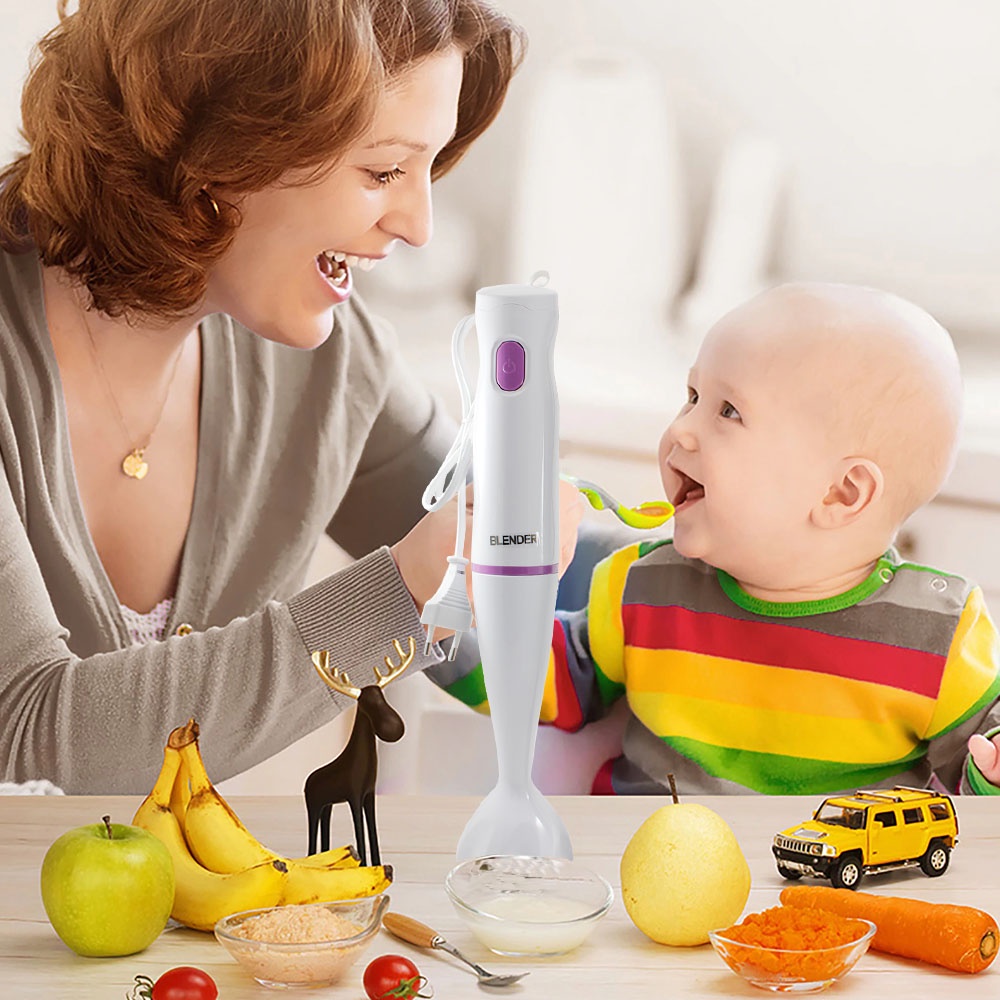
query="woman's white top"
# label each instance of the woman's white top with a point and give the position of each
(149, 627)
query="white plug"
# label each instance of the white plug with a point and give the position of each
(449, 607)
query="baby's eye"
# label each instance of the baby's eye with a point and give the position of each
(383, 177)
(692, 395)
(729, 412)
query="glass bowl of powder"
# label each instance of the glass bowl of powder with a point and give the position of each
(305, 945)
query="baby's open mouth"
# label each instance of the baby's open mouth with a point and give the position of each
(688, 493)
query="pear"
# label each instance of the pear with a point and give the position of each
(683, 874)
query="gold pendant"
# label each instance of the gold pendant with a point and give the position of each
(133, 465)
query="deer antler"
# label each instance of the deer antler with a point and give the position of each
(394, 669)
(333, 677)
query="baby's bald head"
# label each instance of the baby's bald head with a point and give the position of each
(876, 373)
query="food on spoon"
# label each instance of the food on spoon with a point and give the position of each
(107, 888)
(683, 874)
(960, 938)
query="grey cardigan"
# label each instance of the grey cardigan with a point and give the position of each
(292, 444)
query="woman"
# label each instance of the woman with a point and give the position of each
(191, 394)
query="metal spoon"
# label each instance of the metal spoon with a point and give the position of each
(413, 932)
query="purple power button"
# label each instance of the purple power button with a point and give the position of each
(510, 365)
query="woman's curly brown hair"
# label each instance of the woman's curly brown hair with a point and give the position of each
(135, 109)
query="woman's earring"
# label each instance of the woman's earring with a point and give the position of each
(212, 202)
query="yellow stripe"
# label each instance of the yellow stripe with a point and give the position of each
(549, 708)
(796, 734)
(971, 666)
(604, 612)
(716, 679)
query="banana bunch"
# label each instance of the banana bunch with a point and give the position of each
(219, 866)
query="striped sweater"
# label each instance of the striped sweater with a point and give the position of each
(880, 685)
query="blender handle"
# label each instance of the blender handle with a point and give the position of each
(410, 930)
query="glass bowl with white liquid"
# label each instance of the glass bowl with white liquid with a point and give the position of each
(527, 906)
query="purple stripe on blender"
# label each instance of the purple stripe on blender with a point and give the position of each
(490, 570)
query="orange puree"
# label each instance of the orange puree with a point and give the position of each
(794, 940)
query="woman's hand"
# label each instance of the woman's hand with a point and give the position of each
(422, 556)
(570, 515)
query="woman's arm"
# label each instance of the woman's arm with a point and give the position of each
(98, 724)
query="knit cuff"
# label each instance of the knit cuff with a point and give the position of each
(357, 612)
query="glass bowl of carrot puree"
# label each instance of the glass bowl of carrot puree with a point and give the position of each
(793, 950)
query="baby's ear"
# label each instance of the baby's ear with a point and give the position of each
(858, 484)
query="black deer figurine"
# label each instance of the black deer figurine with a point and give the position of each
(351, 777)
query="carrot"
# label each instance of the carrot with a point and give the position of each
(961, 938)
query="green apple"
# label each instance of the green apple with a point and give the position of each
(108, 888)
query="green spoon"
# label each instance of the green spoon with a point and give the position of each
(650, 514)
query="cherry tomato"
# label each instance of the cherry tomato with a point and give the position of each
(393, 977)
(182, 983)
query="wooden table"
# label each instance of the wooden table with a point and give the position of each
(418, 836)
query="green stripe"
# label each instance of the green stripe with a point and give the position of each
(470, 689)
(979, 784)
(798, 609)
(646, 547)
(776, 774)
(610, 690)
(986, 698)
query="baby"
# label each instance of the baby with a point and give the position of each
(779, 644)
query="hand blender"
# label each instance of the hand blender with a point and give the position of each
(515, 557)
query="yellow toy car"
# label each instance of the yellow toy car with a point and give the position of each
(881, 830)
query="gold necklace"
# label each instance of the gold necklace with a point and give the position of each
(134, 464)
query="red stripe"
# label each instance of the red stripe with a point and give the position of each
(568, 713)
(782, 645)
(602, 780)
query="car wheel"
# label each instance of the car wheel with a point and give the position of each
(790, 873)
(935, 859)
(847, 873)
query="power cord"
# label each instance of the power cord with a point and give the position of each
(449, 607)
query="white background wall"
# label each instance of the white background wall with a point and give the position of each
(886, 109)
(23, 24)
